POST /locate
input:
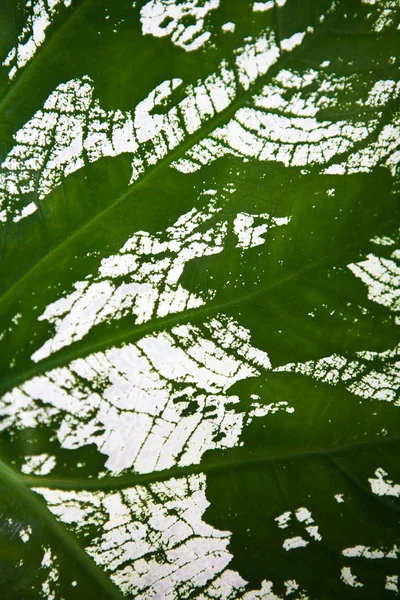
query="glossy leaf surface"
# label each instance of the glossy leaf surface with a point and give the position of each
(199, 351)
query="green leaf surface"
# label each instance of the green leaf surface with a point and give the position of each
(199, 299)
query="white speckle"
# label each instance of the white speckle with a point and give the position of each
(228, 27)
(383, 240)
(47, 559)
(161, 18)
(392, 583)
(303, 514)
(16, 318)
(381, 486)
(313, 532)
(263, 6)
(339, 498)
(38, 464)
(293, 543)
(294, 40)
(25, 534)
(261, 410)
(249, 235)
(25, 212)
(349, 579)
(291, 586)
(283, 519)
(361, 551)
(335, 170)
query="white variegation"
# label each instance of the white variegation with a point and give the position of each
(33, 34)
(162, 18)
(151, 267)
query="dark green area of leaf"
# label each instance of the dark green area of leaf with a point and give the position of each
(333, 443)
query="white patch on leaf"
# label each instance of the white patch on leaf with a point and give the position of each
(382, 278)
(152, 266)
(136, 522)
(291, 586)
(392, 583)
(250, 235)
(284, 519)
(228, 27)
(349, 578)
(169, 18)
(256, 58)
(25, 534)
(303, 514)
(295, 40)
(38, 464)
(381, 486)
(25, 212)
(72, 128)
(294, 543)
(170, 389)
(55, 142)
(263, 6)
(360, 375)
(33, 34)
(361, 551)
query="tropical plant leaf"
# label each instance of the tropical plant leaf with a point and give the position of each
(199, 299)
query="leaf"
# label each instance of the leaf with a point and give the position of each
(199, 299)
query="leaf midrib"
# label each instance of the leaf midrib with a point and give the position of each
(134, 479)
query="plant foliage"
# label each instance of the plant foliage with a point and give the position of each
(199, 299)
